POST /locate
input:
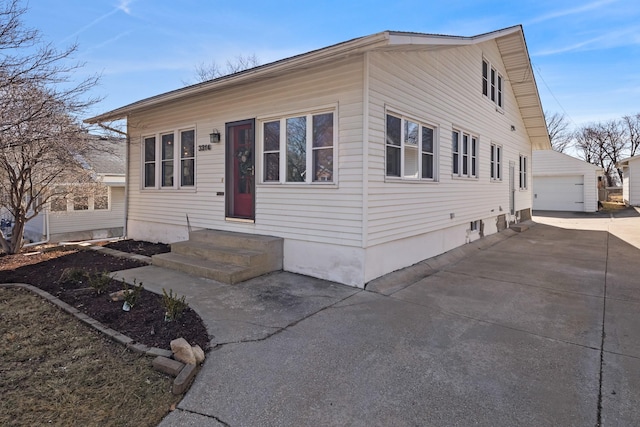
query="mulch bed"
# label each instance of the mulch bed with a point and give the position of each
(144, 323)
(139, 247)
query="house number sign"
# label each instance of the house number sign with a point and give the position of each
(204, 147)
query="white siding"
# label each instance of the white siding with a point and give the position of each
(315, 213)
(74, 221)
(625, 184)
(441, 87)
(634, 182)
(550, 164)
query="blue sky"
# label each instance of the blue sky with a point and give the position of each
(586, 55)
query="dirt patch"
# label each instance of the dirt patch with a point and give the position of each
(144, 323)
(55, 370)
(139, 247)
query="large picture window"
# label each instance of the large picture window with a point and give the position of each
(410, 149)
(306, 141)
(174, 156)
(464, 150)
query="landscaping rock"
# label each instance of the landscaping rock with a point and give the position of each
(182, 351)
(198, 353)
(119, 295)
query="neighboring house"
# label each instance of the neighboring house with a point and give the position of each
(564, 183)
(90, 211)
(630, 180)
(365, 157)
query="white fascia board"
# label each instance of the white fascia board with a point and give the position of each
(246, 76)
(400, 38)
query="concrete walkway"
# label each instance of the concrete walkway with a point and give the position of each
(532, 329)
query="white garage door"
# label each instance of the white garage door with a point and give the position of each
(558, 193)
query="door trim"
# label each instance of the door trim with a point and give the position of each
(229, 172)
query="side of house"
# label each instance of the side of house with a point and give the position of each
(564, 183)
(475, 179)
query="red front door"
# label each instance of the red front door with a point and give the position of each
(240, 169)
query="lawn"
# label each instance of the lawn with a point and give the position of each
(55, 370)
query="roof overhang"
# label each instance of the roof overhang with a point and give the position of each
(625, 162)
(510, 42)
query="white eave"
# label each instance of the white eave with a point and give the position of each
(625, 162)
(510, 42)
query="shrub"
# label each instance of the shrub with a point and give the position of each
(131, 295)
(173, 305)
(99, 282)
(73, 275)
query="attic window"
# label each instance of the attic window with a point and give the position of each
(492, 83)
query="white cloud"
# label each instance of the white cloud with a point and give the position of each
(622, 37)
(573, 11)
(124, 6)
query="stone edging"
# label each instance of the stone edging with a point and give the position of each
(111, 333)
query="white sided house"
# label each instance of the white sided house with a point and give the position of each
(564, 183)
(87, 211)
(363, 157)
(630, 180)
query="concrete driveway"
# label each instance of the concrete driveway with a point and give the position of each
(538, 328)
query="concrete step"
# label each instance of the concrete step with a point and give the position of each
(224, 256)
(231, 239)
(220, 271)
(238, 256)
(519, 227)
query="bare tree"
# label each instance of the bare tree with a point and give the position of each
(40, 136)
(212, 70)
(603, 144)
(632, 128)
(559, 132)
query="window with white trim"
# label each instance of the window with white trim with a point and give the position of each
(496, 162)
(523, 172)
(164, 161)
(492, 83)
(187, 158)
(149, 162)
(80, 198)
(410, 149)
(292, 146)
(464, 148)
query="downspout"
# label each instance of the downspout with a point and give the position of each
(365, 163)
(126, 181)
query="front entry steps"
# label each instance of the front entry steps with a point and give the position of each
(224, 256)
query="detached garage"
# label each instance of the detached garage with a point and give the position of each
(564, 183)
